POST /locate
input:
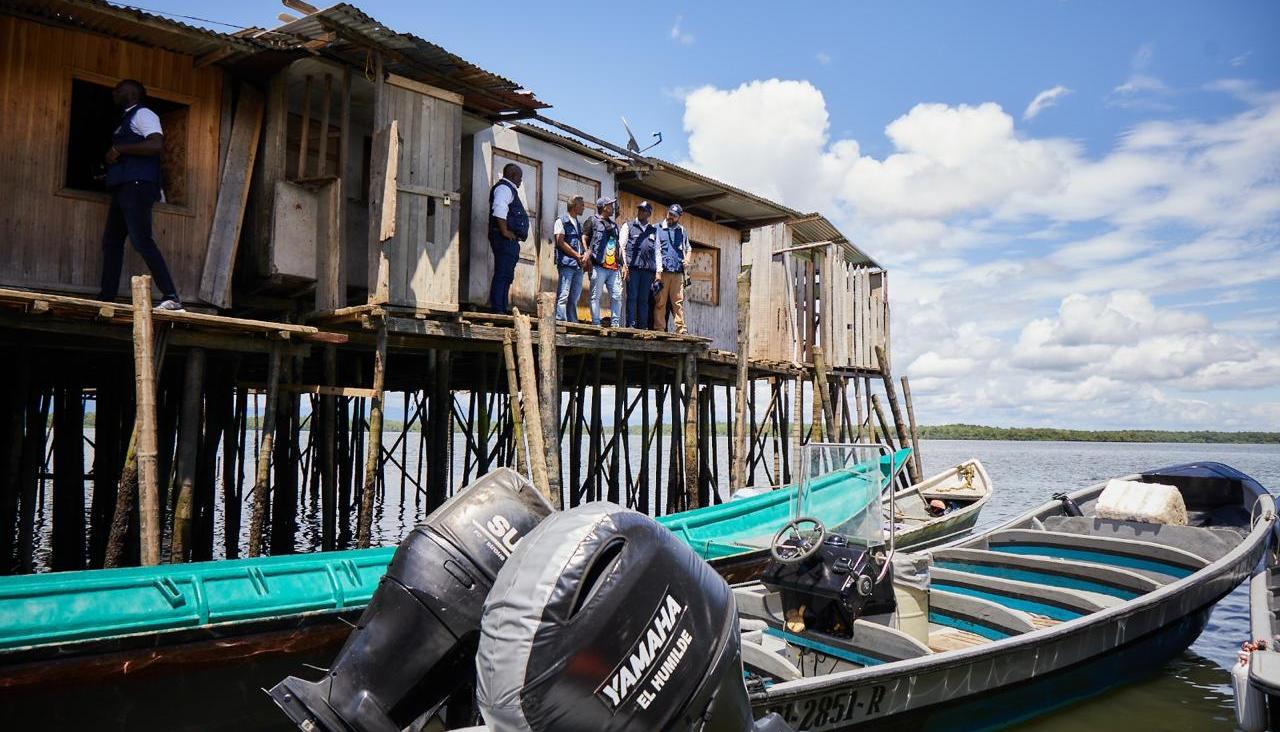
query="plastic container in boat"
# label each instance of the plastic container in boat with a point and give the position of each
(911, 592)
(1251, 703)
(1152, 503)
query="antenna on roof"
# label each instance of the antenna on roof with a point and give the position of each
(634, 146)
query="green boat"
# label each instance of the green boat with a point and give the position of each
(74, 627)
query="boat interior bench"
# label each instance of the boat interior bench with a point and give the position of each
(1163, 560)
(1208, 542)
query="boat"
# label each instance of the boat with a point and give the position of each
(1044, 610)
(1256, 679)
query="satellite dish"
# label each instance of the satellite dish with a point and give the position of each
(634, 146)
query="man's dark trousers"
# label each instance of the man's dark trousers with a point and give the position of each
(640, 298)
(505, 255)
(130, 215)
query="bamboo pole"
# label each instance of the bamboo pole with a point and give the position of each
(513, 408)
(821, 387)
(532, 412)
(891, 393)
(373, 464)
(149, 519)
(884, 423)
(738, 473)
(915, 430)
(188, 442)
(857, 404)
(549, 399)
(262, 475)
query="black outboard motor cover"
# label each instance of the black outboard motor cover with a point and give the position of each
(416, 640)
(835, 586)
(602, 621)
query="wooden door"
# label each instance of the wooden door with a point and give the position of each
(569, 185)
(420, 260)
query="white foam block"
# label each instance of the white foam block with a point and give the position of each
(1131, 500)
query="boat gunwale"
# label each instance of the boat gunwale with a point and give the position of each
(947, 660)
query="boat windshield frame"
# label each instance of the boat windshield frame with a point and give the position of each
(862, 461)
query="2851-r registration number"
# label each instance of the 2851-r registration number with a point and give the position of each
(833, 709)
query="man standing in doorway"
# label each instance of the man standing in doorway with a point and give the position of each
(571, 260)
(640, 237)
(508, 226)
(672, 260)
(608, 260)
(133, 179)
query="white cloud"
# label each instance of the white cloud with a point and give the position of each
(1241, 59)
(823, 58)
(1044, 100)
(679, 34)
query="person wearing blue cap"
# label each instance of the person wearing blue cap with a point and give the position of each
(672, 261)
(608, 259)
(571, 259)
(508, 226)
(640, 242)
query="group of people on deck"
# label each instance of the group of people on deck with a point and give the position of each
(641, 264)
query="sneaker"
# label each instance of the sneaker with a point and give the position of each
(171, 305)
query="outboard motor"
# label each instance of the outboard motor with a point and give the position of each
(416, 641)
(604, 621)
(826, 581)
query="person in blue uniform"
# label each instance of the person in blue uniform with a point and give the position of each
(672, 260)
(508, 226)
(608, 260)
(640, 239)
(133, 180)
(571, 260)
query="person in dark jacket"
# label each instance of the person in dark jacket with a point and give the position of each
(571, 259)
(508, 226)
(640, 239)
(133, 180)
(608, 260)
(673, 260)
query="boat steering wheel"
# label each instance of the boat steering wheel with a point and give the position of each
(807, 544)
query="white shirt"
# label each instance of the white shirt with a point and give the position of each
(502, 198)
(145, 122)
(558, 229)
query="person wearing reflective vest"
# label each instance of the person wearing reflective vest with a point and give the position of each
(570, 259)
(640, 237)
(508, 226)
(133, 180)
(608, 260)
(672, 261)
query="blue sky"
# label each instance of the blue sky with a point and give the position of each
(1079, 202)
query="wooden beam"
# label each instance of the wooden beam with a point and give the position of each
(262, 472)
(892, 394)
(373, 463)
(549, 399)
(915, 431)
(300, 6)
(738, 473)
(233, 195)
(426, 89)
(188, 442)
(149, 520)
(532, 412)
(303, 142)
(382, 207)
(513, 397)
(692, 467)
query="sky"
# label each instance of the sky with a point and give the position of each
(1078, 202)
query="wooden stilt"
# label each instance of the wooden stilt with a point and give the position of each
(373, 463)
(534, 433)
(596, 437)
(233, 474)
(32, 453)
(857, 402)
(15, 431)
(108, 455)
(262, 474)
(738, 473)
(513, 398)
(891, 393)
(619, 426)
(327, 440)
(68, 533)
(675, 453)
(188, 444)
(219, 414)
(642, 484)
(549, 399)
(692, 466)
(823, 408)
(149, 519)
(915, 431)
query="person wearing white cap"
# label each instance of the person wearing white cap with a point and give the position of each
(672, 261)
(571, 258)
(608, 259)
(639, 239)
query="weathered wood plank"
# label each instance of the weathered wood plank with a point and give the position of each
(233, 195)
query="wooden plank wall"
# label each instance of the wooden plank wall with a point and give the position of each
(773, 310)
(423, 255)
(718, 322)
(52, 240)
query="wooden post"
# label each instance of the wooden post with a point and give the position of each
(33, 447)
(373, 464)
(262, 475)
(323, 164)
(892, 394)
(328, 446)
(12, 475)
(68, 480)
(513, 398)
(549, 399)
(884, 423)
(738, 473)
(692, 468)
(797, 430)
(149, 519)
(232, 474)
(306, 127)
(532, 411)
(857, 404)
(915, 431)
(822, 391)
(188, 442)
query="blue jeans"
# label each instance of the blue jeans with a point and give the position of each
(600, 279)
(568, 292)
(640, 298)
(505, 255)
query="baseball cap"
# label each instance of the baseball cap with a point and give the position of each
(676, 209)
(645, 205)
(605, 201)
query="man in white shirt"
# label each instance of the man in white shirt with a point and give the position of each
(672, 261)
(133, 179)
(571, 260)
(508, 226)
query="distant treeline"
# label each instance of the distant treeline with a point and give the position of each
(981, 432)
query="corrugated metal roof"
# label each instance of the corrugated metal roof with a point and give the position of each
(128, 24)
(815, 228)
(411, 57)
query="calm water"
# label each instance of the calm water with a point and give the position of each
(1193, 693)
